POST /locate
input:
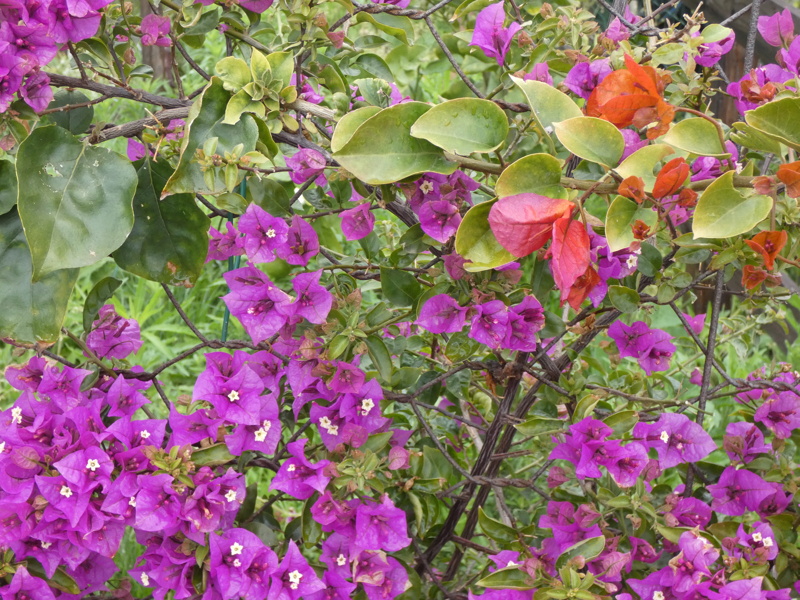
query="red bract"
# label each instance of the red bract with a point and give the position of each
(569, 254)
(632, 187)
(768, 244)
(523, 223)
(632, 96)
(789, 174)
(582, 287)
(671, 178)
(752, 276)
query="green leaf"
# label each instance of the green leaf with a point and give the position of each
(382, 149)
(169, 240)
(510, 578)
(588, 549)
(668, 54)
(496, 530)
(540, 426)
(532, 174)
(76, 120)
(399, 287)
(750, 137)
(723, 211)
(8, 186)
(463, 126)
(622, 421)
(642, 163)
(623, 298)
(697, 136)
(779, 120)
(476, 242)
(233, 72)
(397, 27)
(348, 125)
(621, 215)
(241, 103)
(380, 357)
(548, 104)
(374, 66)
(32, 312)
(99, 294)
(377, 92)
(212, 456)
(59, 581)
(650, 260)
(592, 139)
(75, 200)
(204, 122)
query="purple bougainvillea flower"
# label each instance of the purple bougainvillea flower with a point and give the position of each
(696, 323)
(395, 582)
(689, 512)
(221, 246)
(357, 222)
(711, 53)
(633, 340)
(36, 90)
(539, 72)
(235, 395)
(256, 6)
(112, 336)
(347, 378)
(738, 491)
(778, 29)
(158, 505)
(439, 219)
(489, 323)
(313, 301)
(381, 526)
(257, 302)
(263, 234)
(585, 76)
(676, 438)
(307, 164)
(299, 477)
(490, 35)
(627, 465)
(524, 321)
(442, 314)
(617, 31)
(302, 243)
(780, 414)
(743, 442)
(231, 557)
(24, 585)
(294, 578)
(643, 551)
(759, 546)
(155, 31)
(336, 588)
(657, 357)
(586, 431)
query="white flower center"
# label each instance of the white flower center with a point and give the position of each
(266, 425)
(233, 395)
(65, 491)
(664, 437)
(2, 447)
(144, 434)
(658, 595)
(260, 435)
(145, 579)
(236, 548)
(271, 233)
(768, 542)
(46, 545)
(426, 187)
(757, 537)
(294, 579)
(632, 261)
(230, 495)
(251, 311)
(237, 562)
(366, 405)
(325, 423)
(291, 468)
(16, 415)
(333, 430)
(341, 560)
(93, 464)
(132, 501)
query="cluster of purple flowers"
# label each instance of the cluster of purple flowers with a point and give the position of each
(653, 348)
(492, 323)
(437, 201)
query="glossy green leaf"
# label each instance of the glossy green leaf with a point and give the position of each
(623, 298)
(499, 532)
(212, 456)
(463, 126)
(622, 421)
(534, 174)
(476, 242)
(642, 163)
(102, 291)
(205, 122)
(8, 186)
(382, 150)
(76, 120)
(697, 136)
(233, 72)
(591, 139)
(510, 578)
(32, 312)
(399, 287)
(75, 200)
(621, 216)
(779, 120)
(380, 357)
(724, 211)
(540, 426)
(397, 27)
(548, 104)
(169, 240)
(348, 124)
(650, 260)
(241, 103)
(750, 137)
(589, 548)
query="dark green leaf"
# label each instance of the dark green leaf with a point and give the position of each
(399, 287)
(623, 298)
(212, 456)
(77, 202)
(496, 530)
(76, 120)
(100, 293)
(380, 357)
(588, 549)
(8, 186)
(510, 578)
(650, 260)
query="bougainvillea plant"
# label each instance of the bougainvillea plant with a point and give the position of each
(490, 279)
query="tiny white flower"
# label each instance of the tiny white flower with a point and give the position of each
(333, 430)
(266, 425)
(93, 464)
(664, 437)
(2, 447)
(251, 311)
(768, 542)
(237, 562)
(260, 435)
(233, 395)
(271, 233)
(132, 501)
(658, 595)
(230, 495)
(366, 405)
(145, 580)
(16, 415)
(325, 423)
(144, 434)
(295, 577)
(757, 537)
(65, 491)
(632, 261)
(426, 187)
(291, 468)
(236, 548)
(46, 545)
(341, 560)
(511, 563)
